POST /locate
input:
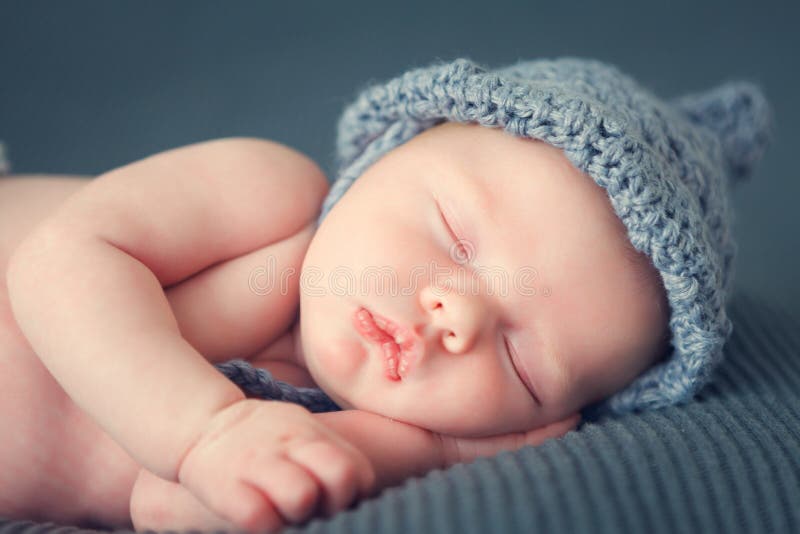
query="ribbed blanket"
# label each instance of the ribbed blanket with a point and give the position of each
(727, 462)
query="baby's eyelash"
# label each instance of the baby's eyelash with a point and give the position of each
(510, 354)
(446, 224)
(511, 359)
(463, 252)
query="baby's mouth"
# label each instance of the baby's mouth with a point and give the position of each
(397, 345)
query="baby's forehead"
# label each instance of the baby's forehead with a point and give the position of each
(494, 158)
(518, 177)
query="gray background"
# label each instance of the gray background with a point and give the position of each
(88, 86)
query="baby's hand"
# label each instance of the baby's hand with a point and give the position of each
(263, 464)
(462, 450)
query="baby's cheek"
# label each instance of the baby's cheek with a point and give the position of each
(600, 380)
(481, 411)
(334, 365)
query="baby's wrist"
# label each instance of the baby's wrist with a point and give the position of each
(231, 410)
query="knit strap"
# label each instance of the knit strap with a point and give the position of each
(260, 383)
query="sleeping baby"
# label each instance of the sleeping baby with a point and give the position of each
(502, 252)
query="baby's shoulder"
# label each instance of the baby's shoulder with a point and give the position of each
(185, 209)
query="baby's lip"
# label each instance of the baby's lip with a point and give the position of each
(399, 344)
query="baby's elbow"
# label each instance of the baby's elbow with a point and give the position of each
(255, 155)
(30, 255)
(25, 273)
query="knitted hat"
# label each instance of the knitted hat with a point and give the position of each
(666, 166)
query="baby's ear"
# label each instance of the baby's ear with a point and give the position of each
(741, 117)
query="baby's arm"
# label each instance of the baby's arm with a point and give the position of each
(398, 450)
(86, 286)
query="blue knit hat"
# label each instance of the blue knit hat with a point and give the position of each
(666, 166)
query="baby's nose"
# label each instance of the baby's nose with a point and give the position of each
(454, 320)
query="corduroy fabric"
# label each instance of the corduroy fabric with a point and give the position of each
(666, 167)
(727, 462)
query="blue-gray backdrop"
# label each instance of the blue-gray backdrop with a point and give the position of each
(86, 86)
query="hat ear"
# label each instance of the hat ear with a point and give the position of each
(739, 114)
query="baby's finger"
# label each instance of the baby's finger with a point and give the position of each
(228, 495)
(169, 506)
(294, 492)
(247, 507)
(553, 430)
(462, 450)
(338, 472)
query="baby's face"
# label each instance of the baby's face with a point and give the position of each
(546, 277)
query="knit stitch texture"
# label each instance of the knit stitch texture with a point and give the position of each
(260, 383)
(666, 166)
